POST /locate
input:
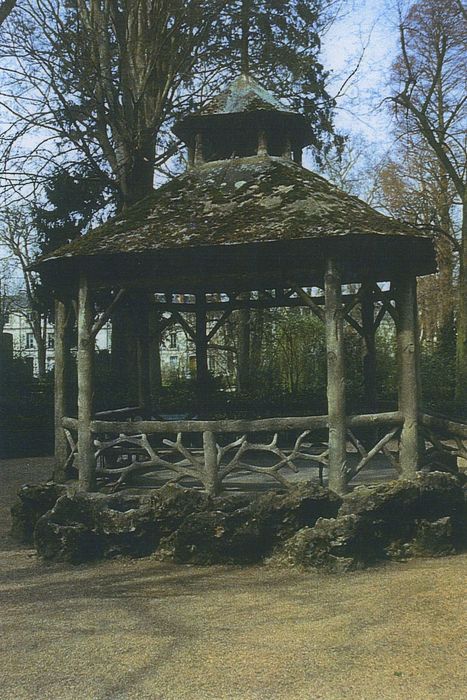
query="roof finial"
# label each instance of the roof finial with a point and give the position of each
(245, 18)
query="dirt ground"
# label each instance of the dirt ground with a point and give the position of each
(145, 630)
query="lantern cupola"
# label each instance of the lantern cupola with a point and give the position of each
(243, 120)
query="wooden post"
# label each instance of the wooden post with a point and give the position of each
(287, 150)
(262, 143)
(210, 464)
(369, 357)
(61, 351)
(336, 378)
(199, 151)
(407, 349)
(201, 353)
(87, 463)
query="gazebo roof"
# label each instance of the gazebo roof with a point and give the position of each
(244, 94)
(254, 202)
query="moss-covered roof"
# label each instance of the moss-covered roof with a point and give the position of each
(244, 94)
(226, 203)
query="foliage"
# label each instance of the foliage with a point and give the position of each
(430, 104)
(118, 73)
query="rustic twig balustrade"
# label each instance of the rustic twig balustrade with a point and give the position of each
(227, 447)
(246, 226)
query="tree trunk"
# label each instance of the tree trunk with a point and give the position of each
(407, 347)
(87, 463)
(41, 357)
(201, 355)
(335, 379)
(369, 357)
(243, 348)
(256, 349)
(137, 179)
(461, 347)
(62, 363)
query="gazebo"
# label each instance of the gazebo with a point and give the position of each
(246, 226)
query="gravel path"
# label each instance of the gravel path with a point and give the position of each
(142, 630)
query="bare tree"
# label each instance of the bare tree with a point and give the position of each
(412, 187)
(18, 237)
(430, 100)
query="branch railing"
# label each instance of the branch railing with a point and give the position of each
(210, 452)
(447, 436)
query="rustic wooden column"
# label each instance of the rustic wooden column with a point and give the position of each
(262, 143)
(199, 151)
(87, 463)
(61, 352)
(201, 353)
(369, 357)
(210, 464)
(335, 378)
(407, 349)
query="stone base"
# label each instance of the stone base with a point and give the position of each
(307, 526)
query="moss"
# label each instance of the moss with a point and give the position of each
(247, 200)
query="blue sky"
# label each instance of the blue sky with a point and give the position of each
(369, 24)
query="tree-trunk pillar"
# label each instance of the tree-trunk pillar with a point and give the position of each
(87, 463)
(210, 464)
(369, 357)
(407, 348)
(60, 388)
(201, 354)
(335, 378)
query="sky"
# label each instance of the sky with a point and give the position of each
(367, 26)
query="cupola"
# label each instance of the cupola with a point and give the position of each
(243, 120)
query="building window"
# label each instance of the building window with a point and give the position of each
(173, 340)
(50, 341)
(6, 319)
(173, 361)
(29, 341)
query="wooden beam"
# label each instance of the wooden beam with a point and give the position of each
(154, 427)
(107, 313)
(264, 302)
(445, 425)
(87, 464)
(335, 378)
(310, 302)
(184, 324)
(218, 324)
(407, 347)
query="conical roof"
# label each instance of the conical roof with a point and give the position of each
(244, 94)
(267, 207)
